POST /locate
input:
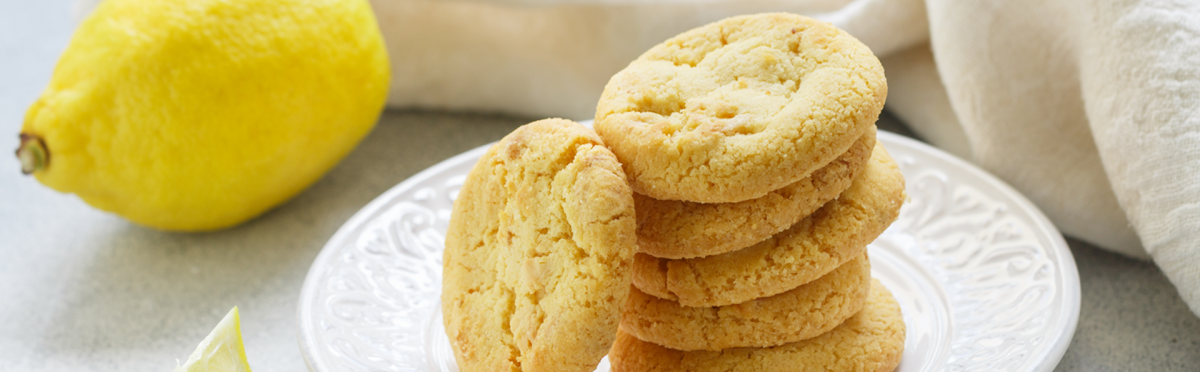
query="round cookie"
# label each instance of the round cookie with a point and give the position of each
(679, 229)
(805, 312)
(837, 232)
(734, 109)
(536, 267)
(872, 340)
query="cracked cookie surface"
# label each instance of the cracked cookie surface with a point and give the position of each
(870, 341)
(734, 109)
(679, 229)
(801, 313)
(837, 232)
(538, 253)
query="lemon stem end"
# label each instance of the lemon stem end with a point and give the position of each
(32, 153)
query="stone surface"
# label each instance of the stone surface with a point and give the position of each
(83, 290)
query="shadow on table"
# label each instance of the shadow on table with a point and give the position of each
(1124, 300)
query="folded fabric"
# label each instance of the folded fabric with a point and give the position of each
(1090, 108)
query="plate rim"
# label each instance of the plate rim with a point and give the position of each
(355, 222)
(1055, 350)
(1072, 293)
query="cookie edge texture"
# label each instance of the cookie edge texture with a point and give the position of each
(788, 259)
(644, 150)
(882, 318)
(567, 341)
(801, 313)
(676, 229)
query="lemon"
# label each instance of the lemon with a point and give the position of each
(221, 351)
(200, 114)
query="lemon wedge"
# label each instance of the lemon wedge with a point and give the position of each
(221, 351)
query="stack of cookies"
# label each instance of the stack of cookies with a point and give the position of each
(733, 178)
(750, 146)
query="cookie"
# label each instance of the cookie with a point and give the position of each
(837, 232)
(679, 229)
(734, 109)
(801, 313)
(536, 267)
(871, 340)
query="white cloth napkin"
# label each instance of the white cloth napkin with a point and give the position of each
(1090, 108)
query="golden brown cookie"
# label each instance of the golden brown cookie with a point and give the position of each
(870, 341)
(834, 234)
(536, 267)
(734, 109)
(804, 312)
(679, 229)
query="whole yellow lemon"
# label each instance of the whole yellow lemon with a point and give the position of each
(200, 114)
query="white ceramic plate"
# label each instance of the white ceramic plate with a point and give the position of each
(985, 282)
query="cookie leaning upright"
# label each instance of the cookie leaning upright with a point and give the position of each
(735, 109)
(538, 251)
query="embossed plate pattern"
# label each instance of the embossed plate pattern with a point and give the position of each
(985, 282)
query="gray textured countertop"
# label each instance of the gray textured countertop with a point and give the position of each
(82, 290)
